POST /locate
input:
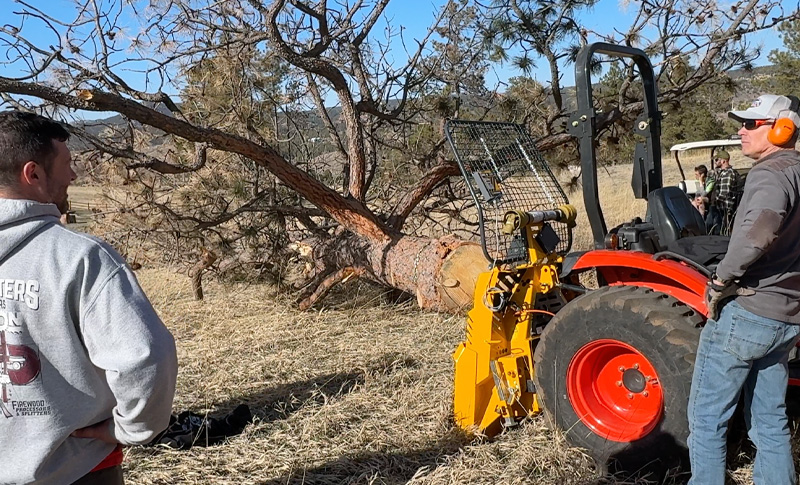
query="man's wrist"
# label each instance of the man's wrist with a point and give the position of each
(716, 280)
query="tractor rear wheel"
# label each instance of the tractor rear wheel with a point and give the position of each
(613, 371)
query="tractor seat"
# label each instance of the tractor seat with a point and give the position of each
(706, 251)
(673, 215)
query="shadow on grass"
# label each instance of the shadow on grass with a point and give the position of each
(741, 452)
(376, 467)
(359, 466)
(281, 401)
(627, 466)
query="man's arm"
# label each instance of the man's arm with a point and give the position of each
(761, 219)
(711, 182)
(125, 337)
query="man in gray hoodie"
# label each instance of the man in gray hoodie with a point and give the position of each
(86, 365)
(753, 304)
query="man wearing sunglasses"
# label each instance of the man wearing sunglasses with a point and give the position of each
(725, 195)
(753, 302)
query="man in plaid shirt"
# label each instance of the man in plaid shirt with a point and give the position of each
(726, 193)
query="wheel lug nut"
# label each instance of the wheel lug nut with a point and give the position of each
(635, 366)
(619, 383)
(630, 396)
(621, 369)
(645, 393)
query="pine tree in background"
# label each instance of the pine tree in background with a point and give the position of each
(786, 62)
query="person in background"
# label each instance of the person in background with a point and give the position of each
(726, 194)
(701, 175)
(711, 215)
(699, 203)
(86, 365)
(700, 200)
(753, 303)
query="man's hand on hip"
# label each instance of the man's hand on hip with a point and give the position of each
(717, 292)
(103, 431)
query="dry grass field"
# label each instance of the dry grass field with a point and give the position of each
(356, 391)
(82, 199)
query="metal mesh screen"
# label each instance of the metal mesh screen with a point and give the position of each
(504, 171)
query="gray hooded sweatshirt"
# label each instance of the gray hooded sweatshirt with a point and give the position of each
(79, 343)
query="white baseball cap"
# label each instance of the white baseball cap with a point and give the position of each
(768, 107)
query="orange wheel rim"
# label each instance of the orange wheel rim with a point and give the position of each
(615, 390)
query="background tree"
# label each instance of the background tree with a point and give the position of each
(700, 116)
(355, 211)
(786, 62)
(689, 43)
(537, 30)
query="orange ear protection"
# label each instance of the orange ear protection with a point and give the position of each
(783, 129)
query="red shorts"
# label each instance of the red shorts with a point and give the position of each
(113, 459)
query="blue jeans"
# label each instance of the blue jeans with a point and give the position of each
(741, 351)
(713, 220)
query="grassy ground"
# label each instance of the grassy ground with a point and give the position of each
(355, 392)
(358, 392)
(86, 201)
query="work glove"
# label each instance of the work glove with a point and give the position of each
(717, 295)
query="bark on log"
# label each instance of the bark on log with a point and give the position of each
(441, 273)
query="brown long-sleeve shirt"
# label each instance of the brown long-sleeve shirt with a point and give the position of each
(764, 251)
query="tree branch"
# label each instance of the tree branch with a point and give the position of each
(410, 200)
(351, 214)
(328, 283)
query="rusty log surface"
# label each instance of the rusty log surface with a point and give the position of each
(441, 273)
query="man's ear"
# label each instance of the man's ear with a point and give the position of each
(31, 174)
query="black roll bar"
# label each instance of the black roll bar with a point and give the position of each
(582, 125)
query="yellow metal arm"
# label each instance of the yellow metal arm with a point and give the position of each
(494, 365)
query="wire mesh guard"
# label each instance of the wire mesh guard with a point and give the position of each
(504, 171)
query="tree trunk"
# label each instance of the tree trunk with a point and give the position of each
(441, 273)
(196, 273)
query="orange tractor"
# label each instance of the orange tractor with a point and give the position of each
(611, 366)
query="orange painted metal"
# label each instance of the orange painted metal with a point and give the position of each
(599, 393)
(640, 269)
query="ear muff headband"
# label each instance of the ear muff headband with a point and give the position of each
(783, 130)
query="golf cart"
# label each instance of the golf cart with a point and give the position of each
(691, 186)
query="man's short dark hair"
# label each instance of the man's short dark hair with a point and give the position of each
(25, 137)
(701, 169)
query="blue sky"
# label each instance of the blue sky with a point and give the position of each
(416, 15)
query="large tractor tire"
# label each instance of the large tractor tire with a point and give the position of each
(613, 371)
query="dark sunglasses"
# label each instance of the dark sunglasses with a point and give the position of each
(753, 124)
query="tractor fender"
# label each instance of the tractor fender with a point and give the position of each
(633, 268)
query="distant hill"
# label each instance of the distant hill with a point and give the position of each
(308, 125)
(745, 91)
